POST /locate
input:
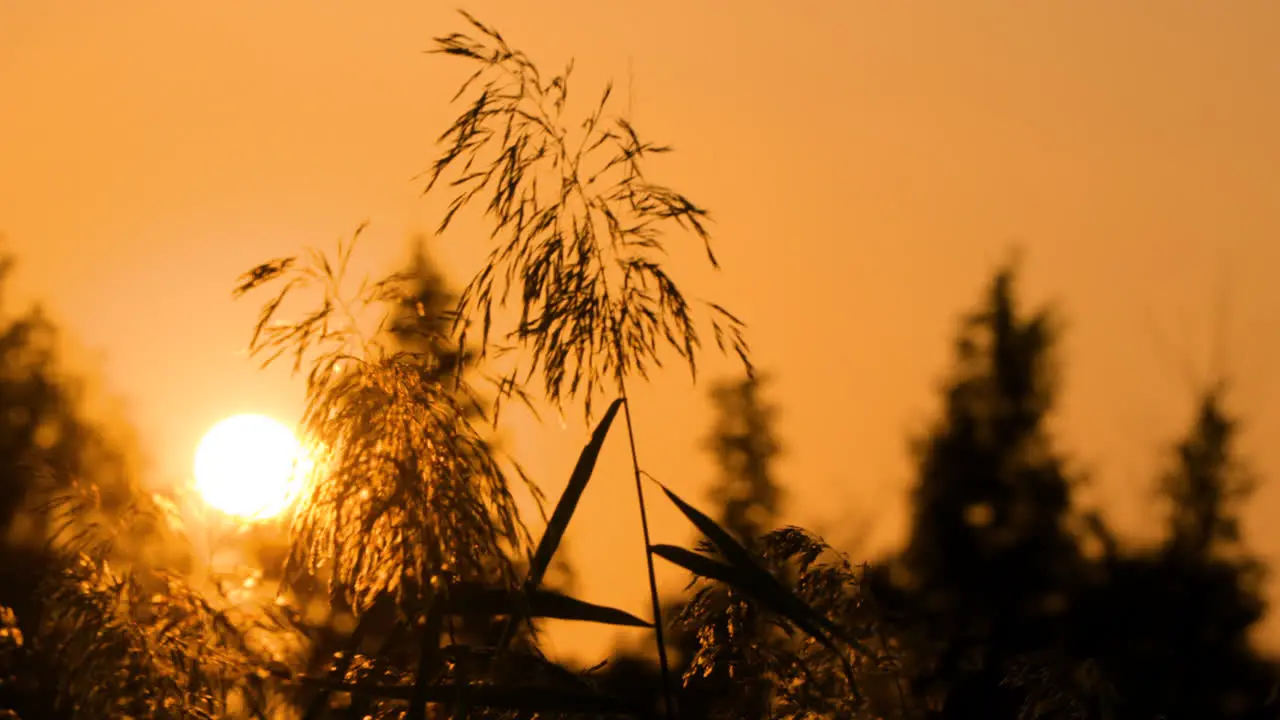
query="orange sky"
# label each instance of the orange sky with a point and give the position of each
(867, 164)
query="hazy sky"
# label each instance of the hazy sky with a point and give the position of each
(867, 164)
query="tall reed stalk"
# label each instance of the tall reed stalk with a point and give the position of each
(413, 508)
(581, 251)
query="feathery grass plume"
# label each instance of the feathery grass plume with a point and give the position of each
(578, 229)
(406, 493)
(126, 634)
(150, 644)
(753, 649)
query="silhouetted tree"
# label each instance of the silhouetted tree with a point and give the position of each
(746, 496)
(1167, 630)
(63, 482)
(999, 612)
(46, 444)
(1206, 486)
(424, 319)
(990, 559)
(107, 623)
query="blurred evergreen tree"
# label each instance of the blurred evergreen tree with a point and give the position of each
(423, 322)
(1206, 486)
(745, 444)
(990, 560)
(46, 445)
(1169, 628)
(66, 485)
(1000, 613)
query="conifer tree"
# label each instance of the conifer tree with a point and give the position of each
(1169, 628)
(990, 558)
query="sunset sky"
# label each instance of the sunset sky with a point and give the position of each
(867, 165)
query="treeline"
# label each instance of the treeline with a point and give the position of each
(409, 587)
(1009, 599)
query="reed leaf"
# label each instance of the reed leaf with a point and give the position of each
(568, 502)
(563, 513)
(477, 599)
(698, 564)
(743, 572)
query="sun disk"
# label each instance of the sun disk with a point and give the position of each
(249, 466)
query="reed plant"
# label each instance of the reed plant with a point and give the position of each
(411, 505)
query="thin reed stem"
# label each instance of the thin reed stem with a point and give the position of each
(663, 666)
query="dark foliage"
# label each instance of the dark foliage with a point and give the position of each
(745, 444)
(428, 589)
(990, 560)
(747, 498)
(1168, 629)
(67, 487)
(998, 611)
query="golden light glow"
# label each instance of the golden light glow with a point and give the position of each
(249, 466)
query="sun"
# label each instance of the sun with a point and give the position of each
(249, 466)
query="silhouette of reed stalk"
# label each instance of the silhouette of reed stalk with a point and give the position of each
(410, 505)
(580, 250)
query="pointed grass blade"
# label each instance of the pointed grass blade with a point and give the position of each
(696, 563)
(477, 599)
(768, 592)
(779, 599)
(743, 573)
(561, 516)
(568, 502)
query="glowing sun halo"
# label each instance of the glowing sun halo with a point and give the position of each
(249, 466)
